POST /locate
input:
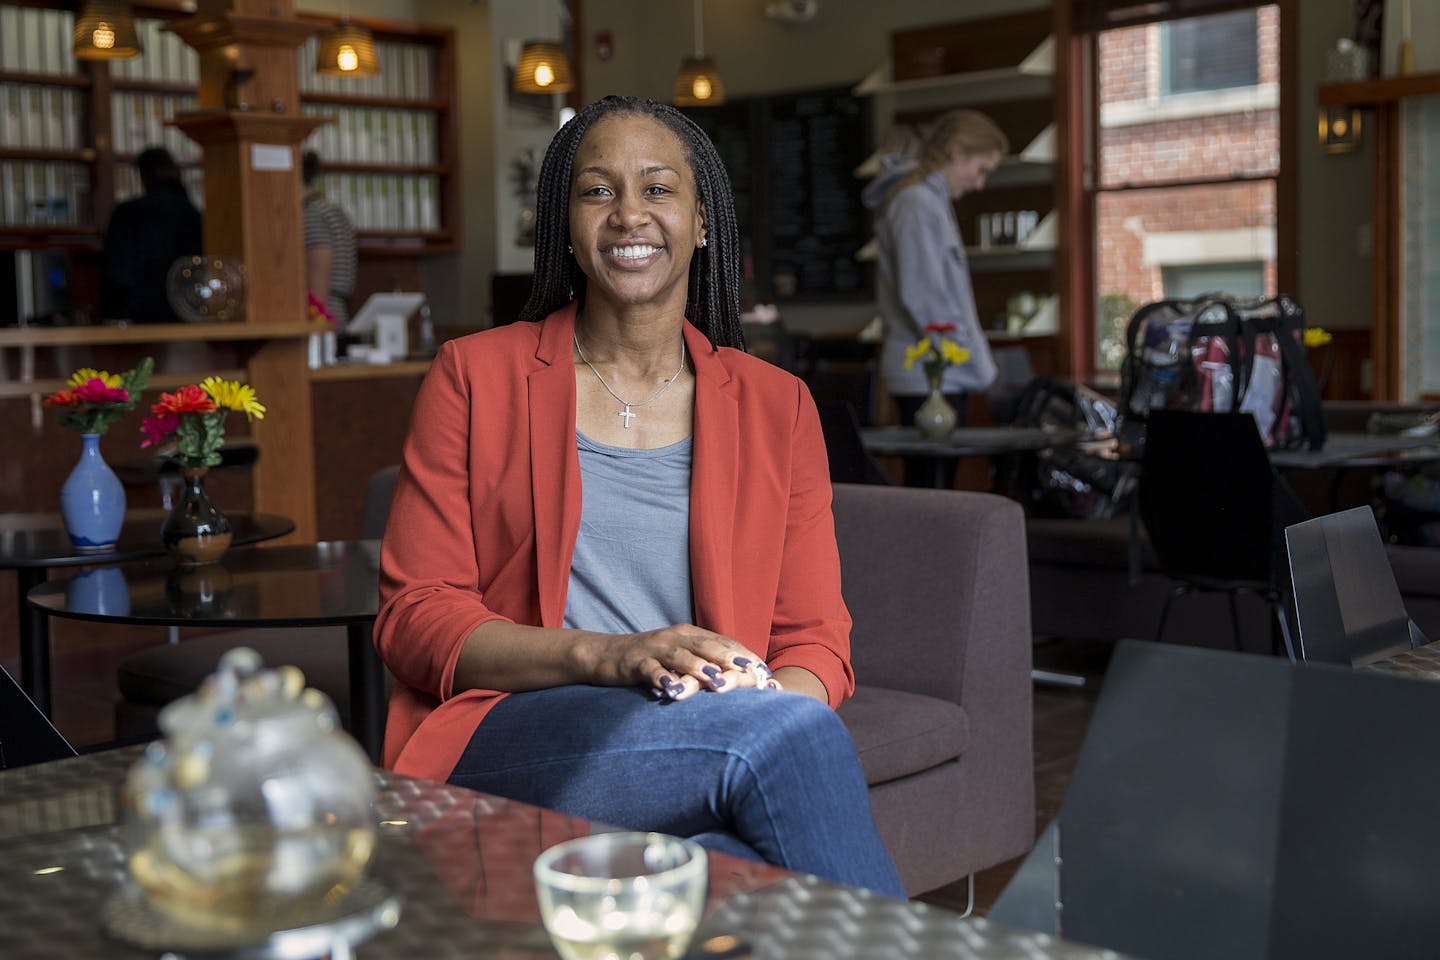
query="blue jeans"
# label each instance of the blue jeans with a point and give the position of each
(768, 775)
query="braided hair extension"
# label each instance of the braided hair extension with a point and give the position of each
(712, 302)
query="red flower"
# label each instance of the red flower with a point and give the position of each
(939, 328)
(61, 398)
(158, 427)
(188, 399)
(95, 391)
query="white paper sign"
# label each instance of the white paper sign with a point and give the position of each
(266, 156)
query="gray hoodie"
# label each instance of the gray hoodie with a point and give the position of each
(923, 278)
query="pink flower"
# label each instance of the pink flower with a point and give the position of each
(95, 391)
(158, 427)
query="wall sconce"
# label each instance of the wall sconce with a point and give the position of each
(347, 50)
(699, 84)
(543, 68)
(105, 30)
(1339, 129)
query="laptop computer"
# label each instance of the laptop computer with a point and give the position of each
(1347, 604)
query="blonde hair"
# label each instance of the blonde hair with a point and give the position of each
(969, 130)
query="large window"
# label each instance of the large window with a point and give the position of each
(1185, 191)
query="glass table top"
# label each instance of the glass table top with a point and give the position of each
(332, 582)
(39, 540)
(459, 863)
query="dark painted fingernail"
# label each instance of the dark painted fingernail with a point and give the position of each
(710, 671)
(657, 693)
(717, 682)
(674, 689)
(666, 681)
(742, 662)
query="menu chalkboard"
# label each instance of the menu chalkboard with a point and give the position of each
(791, 159)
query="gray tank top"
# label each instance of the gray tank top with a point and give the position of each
(631, 570)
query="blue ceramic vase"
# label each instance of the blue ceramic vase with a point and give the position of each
(92, 501)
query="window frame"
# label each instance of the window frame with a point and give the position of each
(1078, 104)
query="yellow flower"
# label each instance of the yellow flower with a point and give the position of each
(85, 374)
(919, 351)
(1317, 336)
(233, 395)
(953, 353)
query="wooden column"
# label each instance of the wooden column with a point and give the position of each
(250, 126)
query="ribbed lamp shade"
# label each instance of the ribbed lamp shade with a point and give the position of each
(543, 68)
(699, 84)
(347, 50)
(105, 30)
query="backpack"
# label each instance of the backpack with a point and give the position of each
(1218, 354)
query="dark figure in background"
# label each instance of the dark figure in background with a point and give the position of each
(145, 237)
(329, 246)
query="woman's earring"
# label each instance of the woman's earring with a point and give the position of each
(704, 241)
(569, 249)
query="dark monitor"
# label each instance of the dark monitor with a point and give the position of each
(26, 735)
(508, 294)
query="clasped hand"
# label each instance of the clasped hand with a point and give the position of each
(678, 661)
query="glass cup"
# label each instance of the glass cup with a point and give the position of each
(621, 896)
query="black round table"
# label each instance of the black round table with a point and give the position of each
(910, 444)
(314, 584)
(32, 544)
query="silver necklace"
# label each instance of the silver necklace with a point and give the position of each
(621, 400)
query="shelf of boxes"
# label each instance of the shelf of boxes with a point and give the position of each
(380, 155)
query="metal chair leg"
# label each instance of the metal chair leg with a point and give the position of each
(1284, 624)
(1235, 621)
(1165, 614)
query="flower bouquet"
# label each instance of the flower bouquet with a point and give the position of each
(93, 399)
(935, 351)
(188, 427)
(92, 501)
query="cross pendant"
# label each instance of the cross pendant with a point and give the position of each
(627, 415)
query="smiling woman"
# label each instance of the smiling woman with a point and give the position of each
(625, 625)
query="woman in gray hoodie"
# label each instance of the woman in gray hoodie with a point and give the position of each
(924, 277)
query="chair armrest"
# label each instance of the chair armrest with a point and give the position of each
(937, 583)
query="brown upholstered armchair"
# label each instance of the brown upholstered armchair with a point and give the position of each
(937, 584)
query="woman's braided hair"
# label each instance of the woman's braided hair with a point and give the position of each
(712, 303)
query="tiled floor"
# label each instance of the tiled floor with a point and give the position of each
(87, 656)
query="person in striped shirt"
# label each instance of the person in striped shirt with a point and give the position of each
(329, 246)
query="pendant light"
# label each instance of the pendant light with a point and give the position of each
(347, 50)
(105, 30)
(544, 67)
(699, 83)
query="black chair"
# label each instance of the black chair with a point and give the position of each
(1347, 605)
(849, 463)
(26, 735)
(1213, 508)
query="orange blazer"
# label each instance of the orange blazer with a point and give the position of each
(487, 506)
